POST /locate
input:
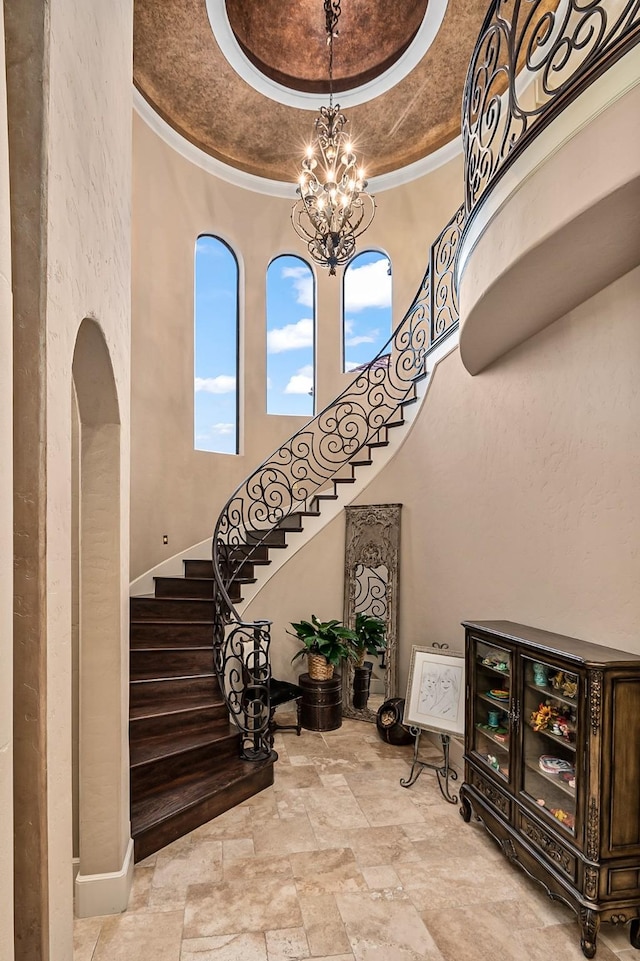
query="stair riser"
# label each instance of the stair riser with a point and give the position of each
(154, 838)
(153, 608)
(196, 762)
(184, 587)
(291, 523)
(273, 538)
(171, 689)
(170, 635)
(167, 661)
(211, 719)
(244, 568)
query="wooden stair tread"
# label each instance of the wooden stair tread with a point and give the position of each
(185, 622)
(168, 674)
(179, 706)
(152, 597)
(151, 749)
(193, 581)
(152, 649)
(165, 804)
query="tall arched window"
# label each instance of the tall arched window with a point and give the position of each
(290, 336)
(366, 308)
(216, 347)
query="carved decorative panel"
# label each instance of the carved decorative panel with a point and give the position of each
(491, 793)
(553, 849)
(371, 584)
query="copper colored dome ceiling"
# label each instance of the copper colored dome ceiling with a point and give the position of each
(181, 71)
(287, 41)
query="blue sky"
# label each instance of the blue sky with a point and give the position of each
(290, 334)
(215, 298)
(367, 307)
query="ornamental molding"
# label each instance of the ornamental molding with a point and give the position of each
(595, 699)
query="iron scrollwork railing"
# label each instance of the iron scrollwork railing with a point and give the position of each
(532, 58)
(301, 470)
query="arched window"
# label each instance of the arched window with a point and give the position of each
(216, 347)
(291, 322)
(366, 308)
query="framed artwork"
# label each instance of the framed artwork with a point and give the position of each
(435, 698)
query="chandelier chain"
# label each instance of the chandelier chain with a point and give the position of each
(333, 206)
(332, 11)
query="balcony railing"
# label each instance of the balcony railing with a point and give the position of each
(533, 57)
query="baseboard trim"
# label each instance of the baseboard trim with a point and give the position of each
(98, 894)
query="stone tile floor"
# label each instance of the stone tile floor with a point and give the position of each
(338, 862)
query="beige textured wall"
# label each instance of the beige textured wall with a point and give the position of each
(89, 219)
(177, 490)
(6, 535)
(69, 77)
(520, 494)
(521, 485)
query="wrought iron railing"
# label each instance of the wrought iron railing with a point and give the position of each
(292, 479)
(533, 58)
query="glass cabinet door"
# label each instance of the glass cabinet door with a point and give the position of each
(492, 706)
(550, 726)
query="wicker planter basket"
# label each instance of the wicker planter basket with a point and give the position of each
(319, 668)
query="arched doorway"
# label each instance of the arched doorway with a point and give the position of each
(101, 794)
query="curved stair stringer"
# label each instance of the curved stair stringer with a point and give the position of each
(348, 493)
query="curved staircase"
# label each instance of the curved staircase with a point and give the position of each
(193, 659)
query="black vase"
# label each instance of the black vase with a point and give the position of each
(361, 685)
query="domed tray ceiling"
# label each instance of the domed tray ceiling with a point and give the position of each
(371, 37)
(181, 71)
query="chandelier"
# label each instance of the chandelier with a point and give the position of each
(333, 206)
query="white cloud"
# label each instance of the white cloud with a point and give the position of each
(350, 365)
(290, 337)
(303, 283)
(301, 382)
(223, 429)
(352, 340)
(223, 384)
(367, 286)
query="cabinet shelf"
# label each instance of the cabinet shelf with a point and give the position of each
(495, 702)
(551, 692)
(557, 739)
(503, 745)
(493, 670)
(551, 779)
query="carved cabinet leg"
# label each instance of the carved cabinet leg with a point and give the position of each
(589, 924)
(634, 933)
(465, 807)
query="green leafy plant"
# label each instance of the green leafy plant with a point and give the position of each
(331, 639)
(370, 637)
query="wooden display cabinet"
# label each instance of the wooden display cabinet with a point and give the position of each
(552, 765)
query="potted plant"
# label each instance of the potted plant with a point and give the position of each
(325, 643)
(370, 639)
